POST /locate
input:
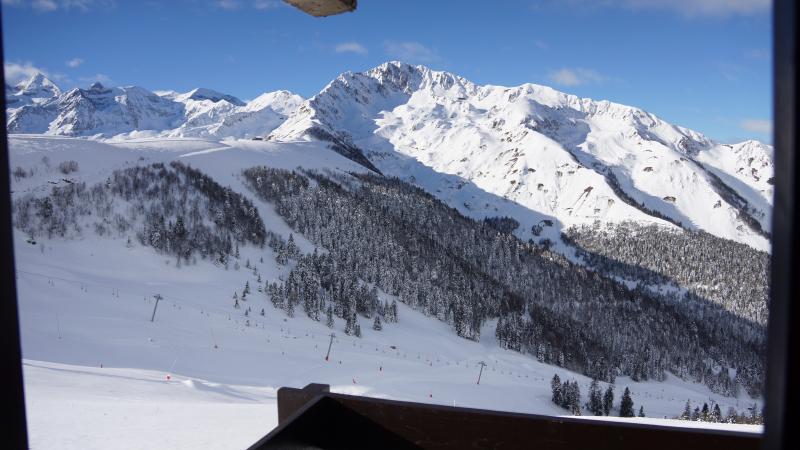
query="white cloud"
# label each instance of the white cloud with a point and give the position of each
(576, 77)
(757, 125)
(411, 52)
(19, 72)
(696, 8)
(350, 47)
(228, 4)
(235, 5)
(731, 72)
(46, 6)
(74, 62)
(758, 53)
(98, 77)
(540, 44)
(266, 4)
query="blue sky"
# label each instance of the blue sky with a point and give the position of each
(704, 64)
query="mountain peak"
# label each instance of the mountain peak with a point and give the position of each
(283, 101)
(38, 85)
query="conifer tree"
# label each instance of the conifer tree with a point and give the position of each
(555, 387)
(349, 326)
(595, 399)
(641, 411)
(575, 399)
(716, 414)
(687, 411)
(329, 317)
(291, 248)
(608, 400)
(626, 404)
(376, 324)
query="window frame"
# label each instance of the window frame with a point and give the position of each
(783, 322)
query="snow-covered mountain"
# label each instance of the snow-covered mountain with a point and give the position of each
(548, 159)
(38, 106)
(539, 155)
(223, 118)
(97, 110)
(36, 90)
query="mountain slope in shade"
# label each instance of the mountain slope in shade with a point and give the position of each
(539, 155)
(200, 94)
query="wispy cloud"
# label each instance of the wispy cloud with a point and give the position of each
(350, 47)
(576, 77)
(235, 5)
(97, 78)
(540, 44)
(688, 8)
(17, 72)
(757, 125)
(729, 71)
(757, 53)
(228, 4)
(266, 4)
(46, 6)
(410, 51)
(74, 62)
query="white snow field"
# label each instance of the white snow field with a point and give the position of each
(99, 374)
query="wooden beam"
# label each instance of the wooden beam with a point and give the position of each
(314, 418)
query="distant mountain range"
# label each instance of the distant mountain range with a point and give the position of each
(548, 159)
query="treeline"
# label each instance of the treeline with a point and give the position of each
(324, 288)
(753, 415)
(175, 209)
(407, 243)
(708, 268)
(567, 394)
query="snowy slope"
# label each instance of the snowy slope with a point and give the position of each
(533, 149)
(87, 302)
